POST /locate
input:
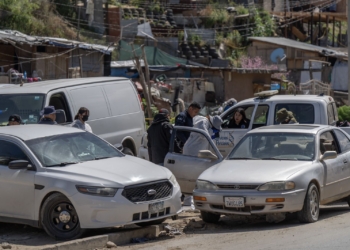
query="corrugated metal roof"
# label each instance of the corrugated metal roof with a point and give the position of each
(284, 42)
(8, 36)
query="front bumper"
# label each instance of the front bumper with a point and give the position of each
(102, 212)
(254, 201)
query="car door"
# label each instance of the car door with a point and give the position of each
(187, 168)
(335, 169)
(16, 185)
(344, 146)
(229, 137)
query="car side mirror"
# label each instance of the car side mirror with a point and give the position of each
(18, 164)
(119, 146)
(207, 154)
(61, 116)
(328, 155)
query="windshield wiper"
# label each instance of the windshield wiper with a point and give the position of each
(280, 159)
(245, 158)
(102, 157)
(62, 164)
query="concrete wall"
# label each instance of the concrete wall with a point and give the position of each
(241, 86)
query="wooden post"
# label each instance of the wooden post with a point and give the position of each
(333, 42)
(147, 71)
(327, 26)
(312, 28)
(319, 29)
(142, 81)
(340, 34)
(81, 66)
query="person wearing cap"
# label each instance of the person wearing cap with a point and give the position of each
(14, 120)
(48, 116)
(158, 136)
(185, 119)
(285, 117)
(80, 120)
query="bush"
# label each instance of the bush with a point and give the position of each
(344, 113)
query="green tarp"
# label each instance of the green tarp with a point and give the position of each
(154, 55)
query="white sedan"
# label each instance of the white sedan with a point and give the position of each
(67, 180)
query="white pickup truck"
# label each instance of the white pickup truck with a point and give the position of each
(261, 111)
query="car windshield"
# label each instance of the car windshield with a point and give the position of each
(62, 150)
(28, 106)
(275, 146)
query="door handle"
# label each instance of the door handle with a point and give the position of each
(345, 161)
(171, 161)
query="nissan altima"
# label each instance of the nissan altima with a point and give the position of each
(67, 180)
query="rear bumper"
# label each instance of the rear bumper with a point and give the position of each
(254, 202)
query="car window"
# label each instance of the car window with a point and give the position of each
(303, 113)
(275, 146)
(327, 143)
(261, 114)
(71, 148)
(331, 116)
(343, 140)
(10, 152)
(28, 106)
(335, 111)
(228, 119)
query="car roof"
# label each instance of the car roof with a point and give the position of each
(292, 128)
(46, 86)
(33, 131)
(280, 98)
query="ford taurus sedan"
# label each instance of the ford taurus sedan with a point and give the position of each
(272, 171)
(67, 180)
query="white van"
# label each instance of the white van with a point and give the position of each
(115, 109)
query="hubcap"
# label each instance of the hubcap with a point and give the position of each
(63, 217)
(314, 209)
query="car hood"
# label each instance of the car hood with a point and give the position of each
(252, 171)
(117, 171)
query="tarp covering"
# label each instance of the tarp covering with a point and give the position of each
(154, 55)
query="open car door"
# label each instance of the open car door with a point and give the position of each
(187, 168)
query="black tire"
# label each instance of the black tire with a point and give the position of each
(210, 217)
(311, 208)
(57, 205)
(150, 223)
(128, 151)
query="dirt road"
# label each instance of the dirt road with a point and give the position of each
(330, 232)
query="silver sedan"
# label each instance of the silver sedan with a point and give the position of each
(272, 171)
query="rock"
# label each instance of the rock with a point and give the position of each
(110, 244)
(162, 233)
(5, 245)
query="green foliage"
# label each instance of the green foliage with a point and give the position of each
(344, 113)
(241, 10)
(64, 8)
(264, 24)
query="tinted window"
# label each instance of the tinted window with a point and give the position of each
(327, 143)
(10, 152)
(28, 106)
(343, 141)
(260, 118)
(275, 146)
(303, 113)
(73, 148)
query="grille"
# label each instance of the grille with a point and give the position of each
(242, 209)
(139, 193)
(145, 215)
(238, 187)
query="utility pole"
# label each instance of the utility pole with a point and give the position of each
(78, 23)
(144, 57)
(347, 2)
(142, 80)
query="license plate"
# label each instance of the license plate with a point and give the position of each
(234, 202)
(156, 207)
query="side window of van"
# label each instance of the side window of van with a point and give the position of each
(122, 98)
(59, 101)
(303, 113)
(91, 98)
(228, 119)
(330, 114)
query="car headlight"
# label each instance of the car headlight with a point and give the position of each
(99, 191)
(205, 185)
(277, 185)
(173, 180)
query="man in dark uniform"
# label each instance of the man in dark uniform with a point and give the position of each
(185, 119)
(48, 116)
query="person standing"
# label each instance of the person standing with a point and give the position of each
(158, 136)
(80, 120)
(48, 116)
(185, 119)
(14, 120)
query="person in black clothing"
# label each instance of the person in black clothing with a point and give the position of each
(158, 135)
(239, 120)
(14, 120)
(48, 116)
(185, 119)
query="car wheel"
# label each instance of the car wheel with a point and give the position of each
(150, 223)
(210, 217)
(60, 219)
(128, 151)
(311, 208)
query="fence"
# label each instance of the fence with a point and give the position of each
(314, 87)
